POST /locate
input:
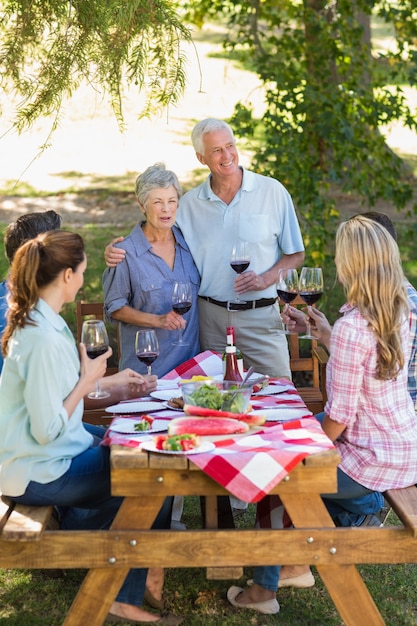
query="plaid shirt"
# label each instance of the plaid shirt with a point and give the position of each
(379, 445)
(412, 363)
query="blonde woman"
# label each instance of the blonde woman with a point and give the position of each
(369, 414)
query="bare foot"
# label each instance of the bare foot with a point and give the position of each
(292, 571)
(133, 612)
(255, 593)
(155, 581)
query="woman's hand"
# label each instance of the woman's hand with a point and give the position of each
(319, 326)
(171, 321)
(92, 369)
(294, 319)
(113, 256)
(128, 384)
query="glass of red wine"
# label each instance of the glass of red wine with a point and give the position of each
(310, 288)
(147, 347)
(94, 337)
(239, 262)
(287, 289)
(181, 304)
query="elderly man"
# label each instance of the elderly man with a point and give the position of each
(234, 203)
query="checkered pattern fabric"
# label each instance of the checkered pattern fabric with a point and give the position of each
(249, 467)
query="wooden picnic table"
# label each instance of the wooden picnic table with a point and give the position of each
(145, 479)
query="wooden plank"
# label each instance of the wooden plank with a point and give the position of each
(26, 523)
(350, 595)
(90, 606)
(404, 503)
(344, 583)
(5, 510)
(203, 548)
(303, 478)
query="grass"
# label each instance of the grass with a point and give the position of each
(32, 598)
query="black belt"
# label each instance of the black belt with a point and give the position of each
(244, 306)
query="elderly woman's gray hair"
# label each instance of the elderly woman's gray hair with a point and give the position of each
(155, 177)
(209, 125)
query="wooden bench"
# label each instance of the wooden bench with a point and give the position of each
(19, 522)
(27, 541)
(404, 504)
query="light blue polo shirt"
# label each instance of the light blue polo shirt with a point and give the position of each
(38, 440)
(262, 213)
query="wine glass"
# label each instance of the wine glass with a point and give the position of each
(239, 261)
(181, 303)
(147, 347)
(94, 337)
(310, 288)
(287, 289)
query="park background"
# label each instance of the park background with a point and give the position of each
(87, 174)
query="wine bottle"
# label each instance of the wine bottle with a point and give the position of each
(232, 370)
(230, 341)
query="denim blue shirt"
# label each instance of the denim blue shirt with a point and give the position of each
(3, 312)
(38, 440)
(145, 282)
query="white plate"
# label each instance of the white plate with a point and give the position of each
(171, 408)
(134, 407)
(271, 390)
(284, 414)
(166, 384)
(206, 446)
(127, 427)
(166, 394)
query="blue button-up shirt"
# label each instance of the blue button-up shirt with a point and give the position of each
(145, 282)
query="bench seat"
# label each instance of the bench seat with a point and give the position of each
(404, 504)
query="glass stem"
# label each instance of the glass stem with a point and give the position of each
(149, 370)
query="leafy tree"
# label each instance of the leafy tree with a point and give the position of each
(50, 47)
(326, 97)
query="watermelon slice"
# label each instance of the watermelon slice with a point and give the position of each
(206, 426)
(252, 420)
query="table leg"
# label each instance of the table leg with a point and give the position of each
(217, 513)
(343, 582)
(101, 586)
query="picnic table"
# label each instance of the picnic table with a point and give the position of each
(288, 457)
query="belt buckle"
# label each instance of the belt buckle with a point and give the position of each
(231, 306)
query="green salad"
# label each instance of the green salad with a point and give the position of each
(209, 397)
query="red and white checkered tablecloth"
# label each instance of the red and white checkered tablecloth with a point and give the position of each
(249, 467)
(206, 363)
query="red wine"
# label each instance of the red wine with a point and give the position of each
(181, 307)
(310, 297)
(147, 357)
(239, 266)
(93, 353)
(286, 296)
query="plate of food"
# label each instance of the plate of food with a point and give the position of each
(173, 406)
(144, 425)
(178, 444)
(134, 407)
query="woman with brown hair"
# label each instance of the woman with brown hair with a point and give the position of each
(47, 454)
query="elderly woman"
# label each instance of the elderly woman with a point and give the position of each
(138, 291)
